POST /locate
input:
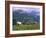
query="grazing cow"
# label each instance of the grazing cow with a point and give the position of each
(19, 23)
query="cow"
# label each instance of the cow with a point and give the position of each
(19, 22)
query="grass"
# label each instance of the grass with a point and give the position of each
(26, 27)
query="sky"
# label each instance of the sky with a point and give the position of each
(27, 9)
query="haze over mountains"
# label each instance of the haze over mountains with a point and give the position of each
(26, 14)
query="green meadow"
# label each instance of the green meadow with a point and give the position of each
(26, 27)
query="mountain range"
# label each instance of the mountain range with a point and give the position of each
(25, 16)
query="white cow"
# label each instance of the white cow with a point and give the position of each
(19, 22)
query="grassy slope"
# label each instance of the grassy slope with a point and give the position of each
(26, 27)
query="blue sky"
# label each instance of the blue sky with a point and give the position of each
(27, 9)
